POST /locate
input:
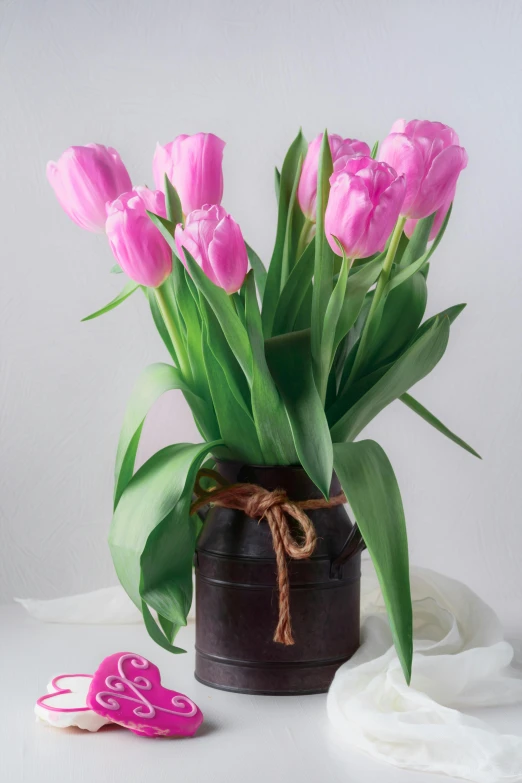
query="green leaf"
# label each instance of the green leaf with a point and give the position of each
(225, 311)
(270, 419)
(413, 365)
(451, 312)
(160, 323)
(294, 292)
(404, 273)
(235, 422)
(165, 227)
(402, 313)
(152, 536)
(289, 360)
(418, 241)
(172, 203)
(124, 294)
(260, 272)
(369, 483)
(154, 381)
(279, 264)
(331, 317)
(416, 406)
(277, 182)
(116, 270)
(375, 150)
(356, 290)
(323, 265)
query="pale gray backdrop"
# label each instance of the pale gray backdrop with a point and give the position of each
(129, 73)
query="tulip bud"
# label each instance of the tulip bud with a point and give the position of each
(84, 179)
(137, 244)
(363, 206)
(429, 156)
(341, 149)
(409, 226)
(215, 241)
(194, 166)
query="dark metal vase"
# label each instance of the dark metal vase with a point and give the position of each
(237, 600)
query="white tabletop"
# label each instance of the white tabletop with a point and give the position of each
(244, 739)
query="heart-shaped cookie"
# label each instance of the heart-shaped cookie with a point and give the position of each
(126, 689)
(64, 705)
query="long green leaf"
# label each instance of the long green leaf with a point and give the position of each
(152, 536)
(418, 241)
(270, 419)
(451, 312)
(154, 381)
(260, 272)
(323, 266)
(331, 318)
(289, 360)
(124, 294)
(288, 186)
(402, 313)
(424, 413)
(413, 365)
(226, 314)
(235, 422)
(294, 292)
(356, 290)
(369, 483)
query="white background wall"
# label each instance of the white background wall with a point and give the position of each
(127, 74)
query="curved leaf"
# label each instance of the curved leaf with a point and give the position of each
(152, 536)
(402, 313)
(424, 413)
(369, 483)
(289, 360)
(260, 272)
(270, 419)
(294, 292)
(413, 365)
(124, 294)
(151, 385)
(279, 264)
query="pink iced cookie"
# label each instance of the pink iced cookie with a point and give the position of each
(126, 689)
(65, 704)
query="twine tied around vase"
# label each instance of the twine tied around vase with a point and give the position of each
(276, 508)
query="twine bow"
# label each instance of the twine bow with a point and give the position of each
(274, 506)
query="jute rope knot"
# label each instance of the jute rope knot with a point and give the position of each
(276, 508)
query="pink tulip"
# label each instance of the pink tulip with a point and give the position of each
(363, 207)
(137, 244)
(194, 166)
(84, 179)
(429, 156)
(441, 213)
(341, 150)
(215, 241)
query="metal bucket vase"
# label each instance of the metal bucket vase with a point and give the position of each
(237, 599)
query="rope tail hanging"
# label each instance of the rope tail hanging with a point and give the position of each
(276, 508)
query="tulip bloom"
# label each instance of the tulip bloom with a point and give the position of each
(84, 179)
(194, 166)
(409, 226)
(429, 156)
(215, 241)
(363, 207)
(137, 244)
(341, 149)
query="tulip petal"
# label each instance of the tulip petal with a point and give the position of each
(384, 217)
(440, 181)
(398, 151)
(228, 256)
(349, 207)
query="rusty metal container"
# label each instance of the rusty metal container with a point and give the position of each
(237, 600)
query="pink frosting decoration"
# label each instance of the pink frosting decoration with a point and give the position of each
(65, 704)
(126, 689)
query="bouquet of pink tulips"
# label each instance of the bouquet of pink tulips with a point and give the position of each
(280, 365)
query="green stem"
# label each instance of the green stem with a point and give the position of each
(305, 237)
(379, 291)
(173, 331)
